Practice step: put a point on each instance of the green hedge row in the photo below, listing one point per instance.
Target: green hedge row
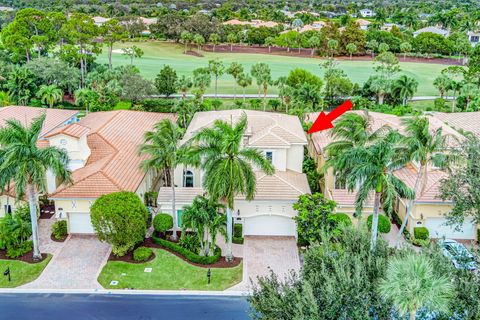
(187, 254)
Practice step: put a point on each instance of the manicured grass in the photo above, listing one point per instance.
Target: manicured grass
(21, 272)
(158, 54)
(168, 273)
(123, 105)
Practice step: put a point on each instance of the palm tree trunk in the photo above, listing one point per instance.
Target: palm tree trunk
(231, 47)
(110, 49)
(235, 90)
(454, 100)
(32, 203)
(229, 254)
(174, 210)
(416, 189)
(376, 207)
(264, 98)
(216, 84)
(244, 94)
(413, 314)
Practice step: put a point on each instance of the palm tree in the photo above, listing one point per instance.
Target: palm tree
(411, 283)
(184, 83)
(235, 70)
(442, 83)
(228, 167)
(199, 40)
(4, 99)
(351, 49)
(425, 147)
(244, 80)
(313, 42)
(370, 168)
(404, 87)
(405, 47)
(50, 94)
(214, 39)
(269, 42)
(381, 86)
(469, 91)
(332, 45)
(24, 164)
(231, 39)
(163, 151)
(186, 37)
(261, 72)
(216, 68)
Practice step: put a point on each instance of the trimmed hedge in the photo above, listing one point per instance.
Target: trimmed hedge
(421, 233)
(384, 224)
(190, 256)
(142, 254)
(237, 240)
(162, 222)
(237, 233)
(340, 219)
(59, 229)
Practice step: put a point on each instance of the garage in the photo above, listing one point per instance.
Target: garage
(269, 225)
(79, 222)
(438, 229)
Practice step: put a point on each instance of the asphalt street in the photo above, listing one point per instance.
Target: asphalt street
(19, 306)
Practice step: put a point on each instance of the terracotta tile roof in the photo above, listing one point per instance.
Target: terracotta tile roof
(113, 165)
(43, 143)
(343, 197)
(266, 129)
(465, 121)
(54, 117)
(74, 130)
(363, 22)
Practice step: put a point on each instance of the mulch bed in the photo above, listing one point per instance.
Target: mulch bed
(27, 257)
(58, 240)
(194, 53)
(128, 258)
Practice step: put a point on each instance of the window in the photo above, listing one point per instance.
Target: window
(269, 156)
(340, 183)
(179, 217)
(474, 38)
(8, 209)
(187, 178)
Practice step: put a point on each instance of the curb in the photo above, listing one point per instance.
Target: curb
(127, 292)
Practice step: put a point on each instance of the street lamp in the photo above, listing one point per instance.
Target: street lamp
(7, 273)
(209, 275)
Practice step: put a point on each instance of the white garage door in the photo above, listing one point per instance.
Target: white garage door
(269, 226)
(80, 223)
(438, 229)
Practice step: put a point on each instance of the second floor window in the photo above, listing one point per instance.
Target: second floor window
(269, 156)
(188, 179)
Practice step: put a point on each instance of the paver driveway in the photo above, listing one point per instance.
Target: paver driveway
(75, 266)
(262, 254)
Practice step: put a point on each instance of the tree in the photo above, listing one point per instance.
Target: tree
(120, 219)
(133, 52)
(183, 84)
(411, 283)
(201, 80)
(231, 38)
(405, 47)
(456, 75)
(199, 40)
(373, 46)
(205, 219)
(235, 70)
(381, 86)
(332, 46)
(21, 85)
(166, 81)
(370, 169)
(244, 80)
(112, 31)
(313, 42)
(261, 72)
(164, 153)
(469, 91)
(228, 167)
(186, 37)
(216, 68)
(269, 42)
(351, 49)
(5, 99)
(442, 83)
(404, 87)
(50, 95)
(386, 64)
(86, 98)
(297, 77)
(214, 39)
(26, 165)
(133, 86)
(52, 71)
(383, 47)
(427, 148)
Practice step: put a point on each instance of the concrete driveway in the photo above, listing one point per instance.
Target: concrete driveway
(262, 254)
(76, 265)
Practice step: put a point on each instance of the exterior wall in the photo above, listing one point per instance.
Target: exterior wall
(62, 207)
(11, 201)
(77, 148)
(279, 159)
(197, 176)
(146, 184)
(295, 158)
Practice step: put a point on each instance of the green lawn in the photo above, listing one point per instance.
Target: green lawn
(168, 273)
(158, 54)
(21, 272)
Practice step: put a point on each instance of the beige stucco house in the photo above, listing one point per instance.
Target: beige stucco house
(103, 151)
(428, 210)
(281, 138)
(54, 118)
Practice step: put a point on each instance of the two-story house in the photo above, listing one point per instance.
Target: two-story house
(282, 140)
(428, 210)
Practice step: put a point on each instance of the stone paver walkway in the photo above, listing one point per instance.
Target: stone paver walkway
(75, 266)
(47, 245)
(262, 254)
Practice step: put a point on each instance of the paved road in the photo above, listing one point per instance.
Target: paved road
(20, 306)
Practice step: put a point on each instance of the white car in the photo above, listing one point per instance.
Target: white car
(458, 254)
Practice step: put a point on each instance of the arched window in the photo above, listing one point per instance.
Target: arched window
(187, 178)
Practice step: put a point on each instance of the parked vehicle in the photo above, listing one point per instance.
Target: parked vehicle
(458, 254)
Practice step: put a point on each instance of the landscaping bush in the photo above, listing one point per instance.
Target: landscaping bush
(162, 222)
(421, 233)
(237, 233)
(340, 219)
(120, 219)
(384, 224)
(142, 254)
(158, 105)
(190, 256)
(59, 229)
(19, 250)
(189, 242)
(478, 235)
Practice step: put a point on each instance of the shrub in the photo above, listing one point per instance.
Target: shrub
(189, 242)
(421, 233)
(439, 104)
(142, 254)
(59, 229)
(158, 105)
(238, 240)
(162, 222)
(421, 242)
(150, 198)
(19, 250)
(187, 254)
(384, 224)
(478, 235)
(120, 219)
(238, 230)
(341, 219)
(23, 212)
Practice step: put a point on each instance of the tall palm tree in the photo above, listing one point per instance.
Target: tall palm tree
(425, 147)
(404, 87)
(24, 164)
(369, 169)
(469, 91)
(235, 70)
(50, 94)
(381, 86)
(411, 283)
(228, 166)
(261, 71)
(163, 151)
(244, 80)
(184, 84)
(186, 37)
(442, 83)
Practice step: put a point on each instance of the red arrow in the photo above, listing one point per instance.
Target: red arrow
(324, 121)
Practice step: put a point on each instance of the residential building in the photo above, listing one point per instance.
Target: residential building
(99, 21)
(443, 32)
(363, 23)
(103, 151)
(54, 118)
(428, 210)
(473, 37)
(367, 13)
(282, 140)
(252, 23)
